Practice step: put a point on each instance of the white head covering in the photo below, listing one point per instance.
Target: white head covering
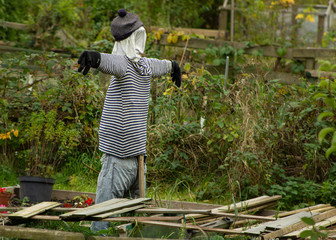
(133, 46)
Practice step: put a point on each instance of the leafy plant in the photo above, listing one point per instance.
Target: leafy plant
(47, 141)
(314, 233)
(326, 94)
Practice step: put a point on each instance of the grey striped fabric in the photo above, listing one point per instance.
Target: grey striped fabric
(123, 126)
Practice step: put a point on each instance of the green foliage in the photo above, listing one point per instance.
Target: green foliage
(217, 56)
(56, 115)
(296, 192)
(326, 93)
(8, 176)
(314, 233)
(46, 141)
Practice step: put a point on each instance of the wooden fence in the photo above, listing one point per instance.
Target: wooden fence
(308, 56)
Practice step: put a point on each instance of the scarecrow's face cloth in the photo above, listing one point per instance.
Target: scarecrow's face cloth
(133, 46)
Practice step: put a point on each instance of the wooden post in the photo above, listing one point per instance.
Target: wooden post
(232, 21)
(222, 20)
(310, 63)
(320, 29)
(294, 23)
(141, 174)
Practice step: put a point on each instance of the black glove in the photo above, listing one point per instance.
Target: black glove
(88, 59)
(176, 74)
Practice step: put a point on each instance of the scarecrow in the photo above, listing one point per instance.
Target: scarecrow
(123, 125)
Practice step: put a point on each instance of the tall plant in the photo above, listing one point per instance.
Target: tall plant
(326, 94)
(47, 140)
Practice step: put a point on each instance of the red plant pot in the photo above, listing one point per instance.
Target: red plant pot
(5, 197)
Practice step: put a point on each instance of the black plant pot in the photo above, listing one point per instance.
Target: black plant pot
(37, 189)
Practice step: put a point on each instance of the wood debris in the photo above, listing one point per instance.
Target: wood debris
(230, 220)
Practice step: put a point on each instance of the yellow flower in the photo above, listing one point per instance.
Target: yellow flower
(299, 16)
(310, 18)
(168, 91)
(289, 2)
(16, 133)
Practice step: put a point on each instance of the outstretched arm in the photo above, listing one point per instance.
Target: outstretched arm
(107, 63)
(162, 67)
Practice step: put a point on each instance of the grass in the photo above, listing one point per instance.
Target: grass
(8, 177)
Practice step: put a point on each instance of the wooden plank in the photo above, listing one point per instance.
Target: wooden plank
(183, 204)
(326, 223)
(38, 217)
(116, 219)
(240, 205)
(308, 209)
(193, 227)
(198, 31)
(317, 73)
(259, 208)
(111, 207)
(57, 195)
(198, 43)
(313, 52)
(299, 225)
(124, 210)
(286, 221)
(34, 210)
(38, 234)
(56, 209)
(140, 219)
(324, 209)
(244, 216)
(250, 203)
(15, 49)
(96, 206)
(103, 209)
(62, 195)
(267, 50)
(283, 222)
(170, 211)
(14, 25)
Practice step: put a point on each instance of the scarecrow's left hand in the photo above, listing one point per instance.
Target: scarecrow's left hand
(88, 59)
(176, 74)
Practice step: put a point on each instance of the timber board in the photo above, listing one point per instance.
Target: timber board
(299, 225)
(95, 206)
(278, 224)
(34, 210)
(123, 210)
(169, 210)
(325, 223)
(108, 206)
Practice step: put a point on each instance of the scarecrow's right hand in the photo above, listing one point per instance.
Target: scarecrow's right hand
(88, 59)
(176, 74)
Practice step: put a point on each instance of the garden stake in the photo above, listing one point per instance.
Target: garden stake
(226, 71)
(141, 173)
(90, 167)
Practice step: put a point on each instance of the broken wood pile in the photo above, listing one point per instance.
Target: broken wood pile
(230, 220)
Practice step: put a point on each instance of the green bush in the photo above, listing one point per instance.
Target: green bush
(74, 101)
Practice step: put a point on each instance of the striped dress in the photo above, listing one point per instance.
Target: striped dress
(123, 125)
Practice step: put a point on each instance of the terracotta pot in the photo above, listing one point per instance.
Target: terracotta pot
(5, 198)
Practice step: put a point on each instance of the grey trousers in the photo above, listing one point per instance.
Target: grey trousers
(118, 178)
